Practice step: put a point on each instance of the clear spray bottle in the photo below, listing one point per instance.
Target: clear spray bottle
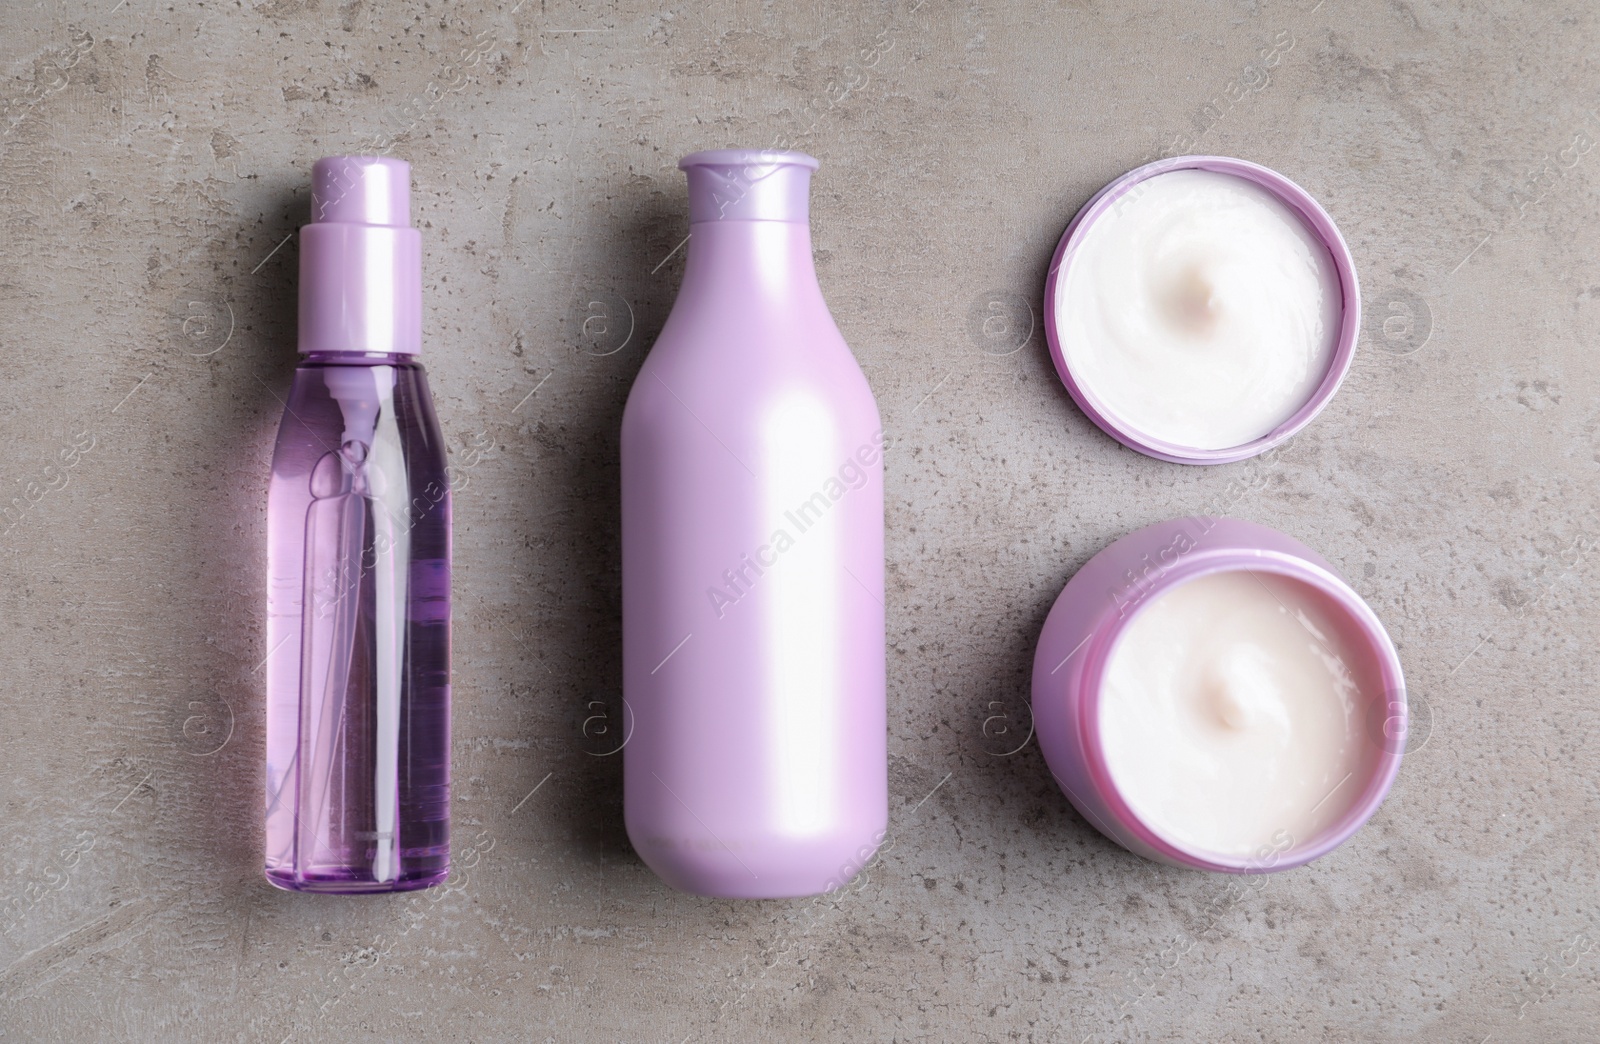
(358, 614)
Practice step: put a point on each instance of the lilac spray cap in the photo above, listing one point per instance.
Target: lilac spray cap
(360, 259)
(749, 185)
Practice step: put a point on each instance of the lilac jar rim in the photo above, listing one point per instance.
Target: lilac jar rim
(1111, 626)
(1315, 218)
(748, 158)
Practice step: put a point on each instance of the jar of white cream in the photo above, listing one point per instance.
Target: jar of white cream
(1210, 693)
(1202, 309)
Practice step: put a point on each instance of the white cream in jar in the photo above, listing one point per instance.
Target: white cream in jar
(1199, 310)
(1232, 714)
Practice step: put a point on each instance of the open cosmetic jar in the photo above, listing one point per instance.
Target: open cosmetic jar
(1211, 694)
(1201, 309)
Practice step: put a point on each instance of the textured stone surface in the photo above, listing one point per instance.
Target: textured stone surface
(154, 160)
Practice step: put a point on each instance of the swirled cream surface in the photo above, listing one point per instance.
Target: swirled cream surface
(1199, 310)
(1232, 714)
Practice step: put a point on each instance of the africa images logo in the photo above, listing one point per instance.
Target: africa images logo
(853, 474)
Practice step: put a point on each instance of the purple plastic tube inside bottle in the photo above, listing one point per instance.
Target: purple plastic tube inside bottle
(752, 561)
(358, 615)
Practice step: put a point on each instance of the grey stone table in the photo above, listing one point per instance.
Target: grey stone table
(153, 168)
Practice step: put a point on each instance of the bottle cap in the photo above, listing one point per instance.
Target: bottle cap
(362, 190)
(749, 185)
(360, 259)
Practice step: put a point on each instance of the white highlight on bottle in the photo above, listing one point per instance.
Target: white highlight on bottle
(799, 445)
(1199, 310)
(1232, 713)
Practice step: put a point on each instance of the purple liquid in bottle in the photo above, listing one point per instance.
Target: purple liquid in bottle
(358, 622)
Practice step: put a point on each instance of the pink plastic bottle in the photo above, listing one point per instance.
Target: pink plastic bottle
(752, 560)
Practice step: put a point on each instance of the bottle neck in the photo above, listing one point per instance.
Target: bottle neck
(361, 288)
(359, 359)
(759, 264)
